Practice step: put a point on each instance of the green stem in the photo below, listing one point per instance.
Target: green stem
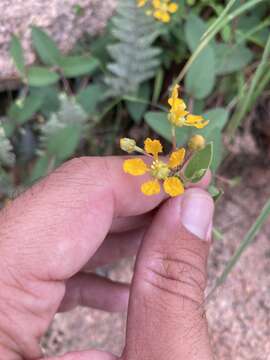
(244, 105)
(174, 138)
(205, 40)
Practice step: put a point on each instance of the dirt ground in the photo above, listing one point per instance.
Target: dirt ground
(239, 313)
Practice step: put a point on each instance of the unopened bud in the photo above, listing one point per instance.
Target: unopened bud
(127, 145)
(196, 142)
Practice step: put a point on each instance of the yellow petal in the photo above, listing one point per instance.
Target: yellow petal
(192, 119)
(173, 186)
(174, 95)
(177, 103)
(177, 158)
(165, 17)
(135, 167)
(201, 125)
(150, 188)
(153, 147)
(196, 121)
(172, 8)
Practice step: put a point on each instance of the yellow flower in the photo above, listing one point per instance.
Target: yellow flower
(159, 9)
(163, 10)
(159, 170)
(178, 115)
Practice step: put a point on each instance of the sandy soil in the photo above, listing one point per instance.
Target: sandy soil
(239, 313)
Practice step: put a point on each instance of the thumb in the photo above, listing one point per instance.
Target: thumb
(166, 317)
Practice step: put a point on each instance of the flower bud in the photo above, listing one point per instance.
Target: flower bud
(196, 142)
(127, 145)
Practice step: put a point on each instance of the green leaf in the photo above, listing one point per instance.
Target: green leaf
(7, 156)
(16, 52)
(199, 164)
(231, 58)
(89, 97)
(201, 76)
(22, 110)
(158, 121)
(50, 99)
(61, 134)
(194, 29)
(45, 47)
(41, 76)
(63, 142)
(218, 117)
(40, 169)
(73, 66)
(137, 109)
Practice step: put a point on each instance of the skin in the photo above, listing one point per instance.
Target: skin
(89, 213)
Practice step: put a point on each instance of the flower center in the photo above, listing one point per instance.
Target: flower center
(177, 120)
(160, 170)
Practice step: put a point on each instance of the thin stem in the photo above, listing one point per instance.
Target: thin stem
(174, 138)
(247, 99)
(219, 19)
(205, 40)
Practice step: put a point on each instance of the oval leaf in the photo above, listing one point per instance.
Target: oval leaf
(73, 66)
(199, 164)
(201, 76)
(16, 52)
(40, 76)
(231, 58)
(45, 47)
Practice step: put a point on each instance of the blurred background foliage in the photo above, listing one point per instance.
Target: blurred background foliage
(117, 84)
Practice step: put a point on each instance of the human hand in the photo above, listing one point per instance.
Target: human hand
(88, 213)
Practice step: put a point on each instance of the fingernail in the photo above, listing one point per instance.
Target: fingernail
(197, 211)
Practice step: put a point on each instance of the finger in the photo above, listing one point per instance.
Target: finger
(86, 355)
(115, 247)
(169, 283)
(96, 292)
(65, 218)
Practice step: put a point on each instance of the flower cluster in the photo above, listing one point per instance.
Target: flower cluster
(160, 9)
(167, 172)
(179, 116)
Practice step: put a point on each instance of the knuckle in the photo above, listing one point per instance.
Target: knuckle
(180, 276)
